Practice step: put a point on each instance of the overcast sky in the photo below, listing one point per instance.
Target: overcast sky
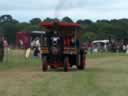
(24, 10)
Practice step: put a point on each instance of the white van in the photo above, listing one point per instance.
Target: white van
(100, 45)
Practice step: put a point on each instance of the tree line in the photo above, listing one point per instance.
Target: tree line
(100, 29)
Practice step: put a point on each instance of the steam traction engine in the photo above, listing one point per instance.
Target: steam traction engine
(61, 46)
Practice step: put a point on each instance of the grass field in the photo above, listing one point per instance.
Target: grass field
(106, 74)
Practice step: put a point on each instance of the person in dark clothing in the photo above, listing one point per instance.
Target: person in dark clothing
(1, 50)
(77, 43)
(36, 52)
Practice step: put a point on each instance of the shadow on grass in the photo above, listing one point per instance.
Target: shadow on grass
(106, 70)
(62, 70)
(94, 70)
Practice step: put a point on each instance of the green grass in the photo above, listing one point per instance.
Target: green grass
(106, 74)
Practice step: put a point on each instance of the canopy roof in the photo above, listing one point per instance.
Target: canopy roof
(60, 24)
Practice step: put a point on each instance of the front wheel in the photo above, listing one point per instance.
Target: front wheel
(66, 64)
(44, 64)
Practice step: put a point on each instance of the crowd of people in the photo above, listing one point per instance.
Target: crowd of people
(34, 47)
(111, 46)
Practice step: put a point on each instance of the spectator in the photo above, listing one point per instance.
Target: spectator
(21, 43)
(5, 43)
(1, 49)
(124, 48)
(127, 48)
(36, 46)
(90, 49)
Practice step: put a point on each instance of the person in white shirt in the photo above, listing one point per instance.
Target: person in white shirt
(36, 46)
(127, 49)
(124, 48)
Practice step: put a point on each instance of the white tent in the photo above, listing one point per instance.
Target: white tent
(101, 41)
(39, 32)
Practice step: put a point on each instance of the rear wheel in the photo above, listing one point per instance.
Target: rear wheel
(66, 64)
(44, 64)
(82, 64)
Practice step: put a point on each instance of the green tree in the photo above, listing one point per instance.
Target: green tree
(35, 21)
(67, 19)
(84, 22)
(7, 18)
(48, 20)
(10, 31)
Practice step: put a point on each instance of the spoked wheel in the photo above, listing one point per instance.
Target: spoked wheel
(44, 64)
(82, 62)
(66, 64)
